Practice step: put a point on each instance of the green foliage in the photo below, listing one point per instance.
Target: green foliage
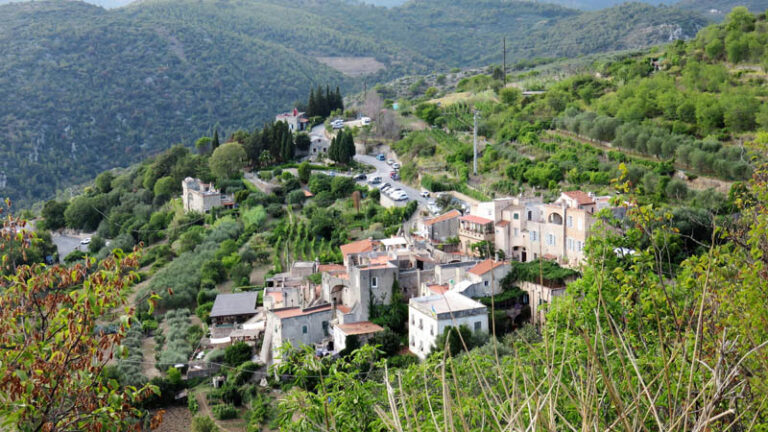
(342, 148)
(227, 160)
(204, 424)
(238, 353)
(224, 412)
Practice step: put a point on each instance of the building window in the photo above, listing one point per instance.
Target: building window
(569, 243)
(517, 232)
(431, 330)
(478, 325)
(304, 329)
(516, 216)
(325, 328)
(413, 341)
(580, 246)
(374, 282)
(421, 345)
(534, 235)
(525, 299)
(486, 283)
(413, 319)
(421, 324)
(580, 224)
(530, 215)
(570, 222)
(551, 240)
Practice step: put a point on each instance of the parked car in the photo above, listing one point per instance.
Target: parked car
(365, 121)
(425, 194)
(337, 124)
(375, 180)
(85, 241)
(332, 173)
(381, 157)
(395, 176)
(390, 161)
(361, 177)
(396, 166)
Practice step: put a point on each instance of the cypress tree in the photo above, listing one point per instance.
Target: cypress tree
(312, 104)
(328, 100)
(339, 100)
(287, 148)
(349, 148)
(215, 142)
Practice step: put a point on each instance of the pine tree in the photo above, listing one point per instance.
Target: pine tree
(328, 100)
(215, 142)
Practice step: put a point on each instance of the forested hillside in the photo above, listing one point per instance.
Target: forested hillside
(88, 89)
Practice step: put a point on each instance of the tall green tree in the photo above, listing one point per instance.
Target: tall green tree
(227, 160)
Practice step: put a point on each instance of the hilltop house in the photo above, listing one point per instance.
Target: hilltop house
(297, 121)
(202, 197)
(428, 317)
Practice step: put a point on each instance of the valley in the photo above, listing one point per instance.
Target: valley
(359, 235)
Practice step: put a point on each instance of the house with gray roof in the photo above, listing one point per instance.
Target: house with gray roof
(236, 308)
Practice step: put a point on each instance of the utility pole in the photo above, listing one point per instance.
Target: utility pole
(505, 61)
(475, 136)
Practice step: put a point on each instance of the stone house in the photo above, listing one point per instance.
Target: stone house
(440, 228)
(202, 197)
(296, 326)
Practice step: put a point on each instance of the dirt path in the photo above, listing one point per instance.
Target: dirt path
(176, 419)
(148, 368)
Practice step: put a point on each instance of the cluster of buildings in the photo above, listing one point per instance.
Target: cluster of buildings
(436, 269)
(521, 229)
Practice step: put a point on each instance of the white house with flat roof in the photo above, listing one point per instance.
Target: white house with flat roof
(428, 317)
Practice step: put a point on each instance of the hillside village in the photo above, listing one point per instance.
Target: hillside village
(554, 245)
(429, 272)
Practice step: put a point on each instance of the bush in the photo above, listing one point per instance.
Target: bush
(192, 404)
(224, 412)
(238, 353)
(275, 210)
(204, 424)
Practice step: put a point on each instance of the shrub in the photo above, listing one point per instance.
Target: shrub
(237, 354)
(204, 424)
(192, 404)
(224, 412)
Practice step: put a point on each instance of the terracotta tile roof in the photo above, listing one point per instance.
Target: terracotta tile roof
(323, 268)
(375, 267)
(485, 266)
(502, 223)
(438, 289)
(476, 219)
(357, 247)
(294, 312)
(443, 217)
(359, 328)
(383, 259)
(344, 309)
(307, 193)
(580, 197)
(276, 296)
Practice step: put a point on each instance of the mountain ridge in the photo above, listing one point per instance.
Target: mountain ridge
(89, 89)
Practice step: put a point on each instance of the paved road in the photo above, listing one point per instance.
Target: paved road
(383, 170)
(67, 243)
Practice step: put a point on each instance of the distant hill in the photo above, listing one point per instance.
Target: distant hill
(86, 89)
(107, 4)
(717, 9)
